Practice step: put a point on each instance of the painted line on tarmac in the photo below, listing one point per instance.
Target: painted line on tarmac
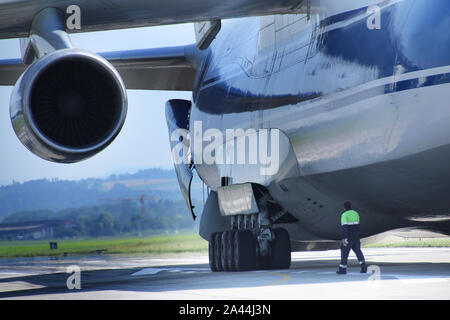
(153, 271)
(18, 286)
(285, 277)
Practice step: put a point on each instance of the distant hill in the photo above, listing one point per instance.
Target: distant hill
(58, 194)
(107, 219)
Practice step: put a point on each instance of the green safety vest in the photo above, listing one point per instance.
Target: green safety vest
(350, 217)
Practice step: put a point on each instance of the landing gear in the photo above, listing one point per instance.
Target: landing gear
(252, 241)
(212, 253)
(218, 251)
(227, 251)
(244, 250)
(281, 250)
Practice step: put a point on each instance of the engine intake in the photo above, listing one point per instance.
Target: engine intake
(68, 105)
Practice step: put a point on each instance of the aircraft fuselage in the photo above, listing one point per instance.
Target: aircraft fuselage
(363, 97)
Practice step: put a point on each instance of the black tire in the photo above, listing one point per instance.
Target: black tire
(281, 250)
(244, 251)
(212, 253)
(225, 249)
(217, 251)
(230, 254)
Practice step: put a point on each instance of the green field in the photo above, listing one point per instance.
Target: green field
(154, 244)
(429, 242)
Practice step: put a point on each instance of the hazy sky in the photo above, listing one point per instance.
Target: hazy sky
(143, 141)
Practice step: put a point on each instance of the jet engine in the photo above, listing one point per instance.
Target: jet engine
(68, 105)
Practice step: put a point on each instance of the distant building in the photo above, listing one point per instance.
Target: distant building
(32, 230)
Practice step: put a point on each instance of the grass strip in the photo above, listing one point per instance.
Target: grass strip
(412, 243)
(154, 244)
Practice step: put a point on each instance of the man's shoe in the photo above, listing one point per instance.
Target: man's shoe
(342, 271)
(363, 268)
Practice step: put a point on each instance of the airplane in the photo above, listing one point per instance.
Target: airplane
(297, 106)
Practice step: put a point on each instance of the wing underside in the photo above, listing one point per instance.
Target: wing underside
(16, 15)
(154, 69)
(146, 69)
(10, 71)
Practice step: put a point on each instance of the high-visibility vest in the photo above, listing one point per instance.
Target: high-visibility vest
(350, 217)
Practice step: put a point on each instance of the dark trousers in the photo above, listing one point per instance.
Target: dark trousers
(354, 245)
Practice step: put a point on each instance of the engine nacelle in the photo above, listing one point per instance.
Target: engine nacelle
(68, 105)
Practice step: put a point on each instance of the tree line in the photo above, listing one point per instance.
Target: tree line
(113, 219)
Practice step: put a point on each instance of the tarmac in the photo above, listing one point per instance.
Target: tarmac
(394, 273)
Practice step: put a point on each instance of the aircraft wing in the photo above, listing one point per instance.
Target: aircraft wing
(146, 69)
(154, 69)
(10, 71)
(151, 69)
(16, 15)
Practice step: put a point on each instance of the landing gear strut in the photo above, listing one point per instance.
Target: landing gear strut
(243, 250)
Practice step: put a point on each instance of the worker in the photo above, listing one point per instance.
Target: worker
(350, 238)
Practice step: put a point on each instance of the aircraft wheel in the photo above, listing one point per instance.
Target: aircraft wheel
(230, 253)
(218, 251)
(225, 250)
(212, 253)
(244, 250)
(281, 250)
